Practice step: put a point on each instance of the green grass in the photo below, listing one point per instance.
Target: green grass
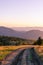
(3, 54)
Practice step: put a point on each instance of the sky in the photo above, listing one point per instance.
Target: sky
(21, 13)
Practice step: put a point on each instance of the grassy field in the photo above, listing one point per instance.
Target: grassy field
(5, 50)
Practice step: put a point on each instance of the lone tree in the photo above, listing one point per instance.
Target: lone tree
(38, 42)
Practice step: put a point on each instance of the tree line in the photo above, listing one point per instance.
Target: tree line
(5, 40)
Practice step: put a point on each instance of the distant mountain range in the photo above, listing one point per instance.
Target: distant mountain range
(27, 28)
(32, 34)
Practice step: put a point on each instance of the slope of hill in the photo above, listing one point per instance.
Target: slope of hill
(32, 34)
(9, 32)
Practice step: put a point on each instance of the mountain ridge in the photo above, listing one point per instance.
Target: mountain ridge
(27, 28)
(32, 34)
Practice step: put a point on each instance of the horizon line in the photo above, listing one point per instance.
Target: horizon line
(23, 26)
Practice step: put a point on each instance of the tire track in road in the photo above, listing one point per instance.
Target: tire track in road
(24, 57)
(35, 58)
(28, 58)
(18, 58)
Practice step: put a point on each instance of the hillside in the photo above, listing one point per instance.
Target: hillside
(9, 32)
(32, 34)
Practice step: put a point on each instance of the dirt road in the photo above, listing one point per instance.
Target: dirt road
(23, 56)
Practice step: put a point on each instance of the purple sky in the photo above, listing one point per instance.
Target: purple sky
(19, 13)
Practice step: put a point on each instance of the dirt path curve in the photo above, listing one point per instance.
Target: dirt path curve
(13, 57)
(24, 56)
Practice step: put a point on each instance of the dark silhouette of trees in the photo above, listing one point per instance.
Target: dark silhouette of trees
(5, 40)
(38, 42)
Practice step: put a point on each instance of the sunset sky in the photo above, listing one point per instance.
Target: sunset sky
(21, 13)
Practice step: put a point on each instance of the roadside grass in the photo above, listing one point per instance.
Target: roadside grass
(39, 51)
(3, 54)
(5, 50)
